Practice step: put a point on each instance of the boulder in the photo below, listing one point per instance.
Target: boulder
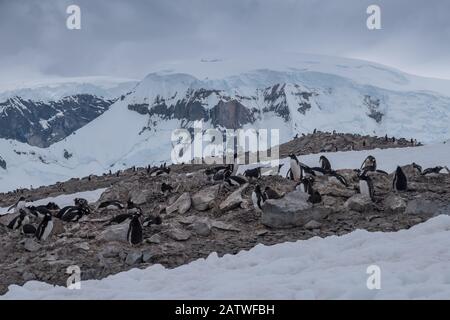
(31, 245)
(7, 218)
(182, 204)
(204, 199)
(139, 196)
(224, 226)
(395, 204)
(202, 227)
(116, 232)
(178, 234)
(313, 224)
(290, 211)
(234, 200)
(423, 206)
(133, 257)
(156, 238)
(359, 202)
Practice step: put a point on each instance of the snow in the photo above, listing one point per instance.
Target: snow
(414, 264)
(65, 199)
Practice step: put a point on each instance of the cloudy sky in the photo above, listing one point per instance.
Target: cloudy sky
(127, 38)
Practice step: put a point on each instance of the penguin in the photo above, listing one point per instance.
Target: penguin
(133, 208)
(235, 181)
(400, 182)
(304, 185)
(19, 221)
(152, 220)
(369, 164)
(81, 202)
(39, 211)
(417, 167)
(28, 230)
(258, 198)
(269, 193)
(74, 213)
(134, 234)
(325, 164)
(166, 188)
(222, 174)
(253, 173)
(45, 228)
(20, 204)
(434, 170)
(296, 170)
(111, 205)
(366, 185)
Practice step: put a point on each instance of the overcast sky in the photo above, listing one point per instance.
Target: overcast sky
(126, 38)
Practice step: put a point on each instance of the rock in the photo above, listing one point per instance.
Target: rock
(204, 199)
(289, 211)
(182, 204)
(139, 196)
(395, 204)
(359, 202)
(156, 238)
(83, 246)
(261, 232)
(202, 227)
(28, 276)
(133, 258)
(7, 218)
(422, 206)
(178, 234)
(224, 226)
(58, 227)
(147, 255)
(116, 232)
(233, 200)
(31, 245)
(313, 224)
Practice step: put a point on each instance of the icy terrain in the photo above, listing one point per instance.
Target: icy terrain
(414, 264)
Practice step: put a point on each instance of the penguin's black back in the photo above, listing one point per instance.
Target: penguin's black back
(135, 231)
(400, 181)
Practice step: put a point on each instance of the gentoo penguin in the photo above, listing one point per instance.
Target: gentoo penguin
(28, 230)
(269, 193)
(417, 167)
(296, 170)
(152, 220)
(81, 202)
(258, 198)
(325, 164)
(235, 181)
(134, 234)
(369, 164)
(19, 221)
(74, 213)
(45, 228)
(222, 174)
(366, 185)
(306, 186)
(132, 207)
(166, 188)
(400, 182)
(39, 211)
(111, 205)
(434, 170)
(20, 204)
(253, 173)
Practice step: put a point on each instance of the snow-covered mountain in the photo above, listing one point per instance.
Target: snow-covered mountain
(294, 93)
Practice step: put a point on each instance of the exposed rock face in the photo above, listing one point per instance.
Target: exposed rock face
(204, 199)
(395, 204)
(182, 204)
(234, 200)
(359, 202)
(423, 206)
(43, 123)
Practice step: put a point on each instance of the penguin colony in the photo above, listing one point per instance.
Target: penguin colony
(37, 221)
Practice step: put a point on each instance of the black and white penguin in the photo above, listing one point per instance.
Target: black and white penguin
(235, 181)
(20, 204)
(270, 193)
(133, 208)
(325, 164)
(305, 185)
(296, 170)
(253, 173)
(222, 174)
(74, 213)
(39, 211)
(150, 220)
(369, 164)
(28, 230)
(81, 202)
(111, 205)
(400, 182)
(366, 185)
(258, 198)
(166, 188)
(45, 228)
(417, 167)
(20, 220)
(434, 170)
(134, 234)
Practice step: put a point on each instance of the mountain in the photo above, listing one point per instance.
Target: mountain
(294, 93)
(45, 113)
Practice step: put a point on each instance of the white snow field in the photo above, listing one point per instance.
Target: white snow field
(414, 264)
(65, 199)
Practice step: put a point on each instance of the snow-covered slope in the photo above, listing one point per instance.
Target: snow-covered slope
(414, 264)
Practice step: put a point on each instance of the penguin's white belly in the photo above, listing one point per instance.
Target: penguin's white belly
(295, 169)
(47, 230)
(364, 188)
(255, 201)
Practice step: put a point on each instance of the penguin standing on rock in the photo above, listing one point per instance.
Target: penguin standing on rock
(369, 164)
(325, 164)
(434, 170)
(19, 221)
(258, 198)
(400, 182)
(366, 185)
(45, 228)
(134, 234)
(296, 170)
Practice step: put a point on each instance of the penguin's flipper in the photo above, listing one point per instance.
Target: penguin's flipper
(381, 171)
(340, 178)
